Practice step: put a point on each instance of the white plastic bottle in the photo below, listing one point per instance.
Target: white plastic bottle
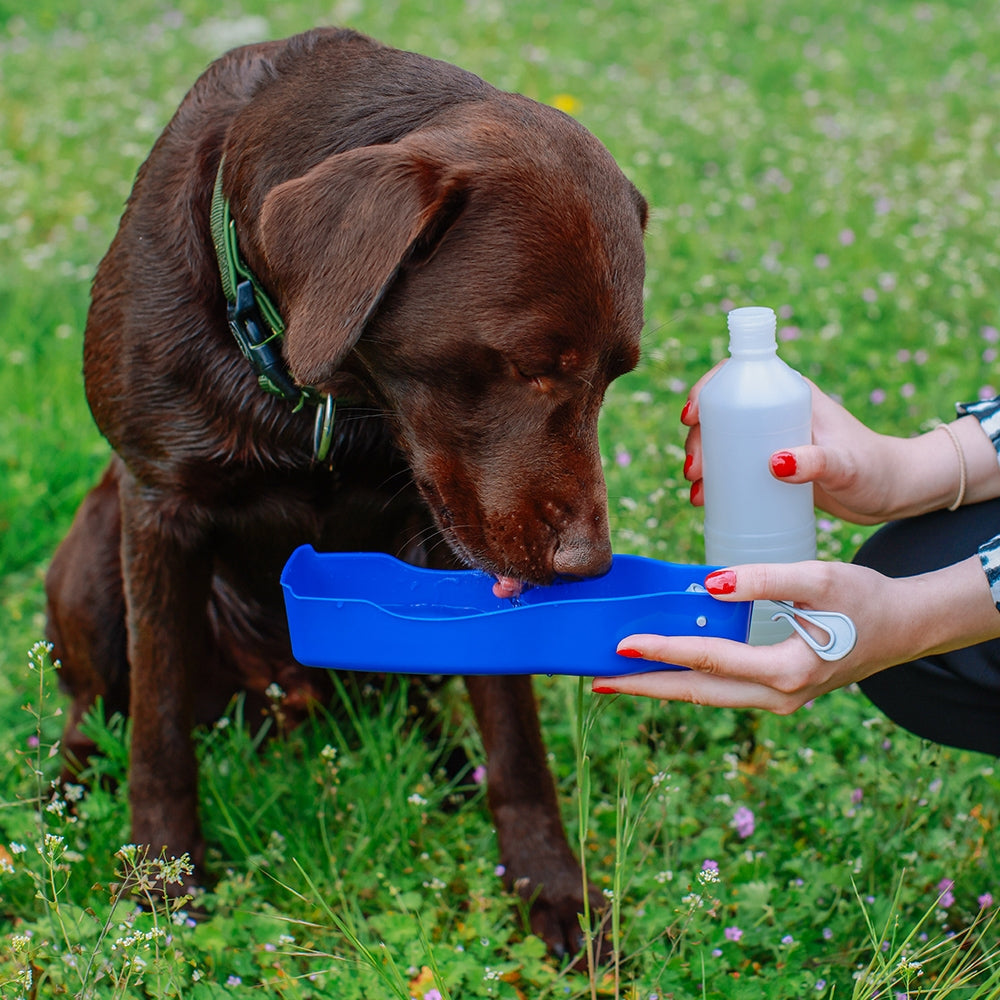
(752, 407)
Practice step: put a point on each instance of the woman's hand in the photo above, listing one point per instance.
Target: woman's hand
(896, 621)
(862, 476)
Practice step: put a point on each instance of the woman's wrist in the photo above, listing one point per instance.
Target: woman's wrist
(923, 475)
(983, 469)
(941, 468)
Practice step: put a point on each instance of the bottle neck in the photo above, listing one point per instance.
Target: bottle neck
(741, 350)
(752, 331)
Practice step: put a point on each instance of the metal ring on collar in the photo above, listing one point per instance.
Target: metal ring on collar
(323, 428)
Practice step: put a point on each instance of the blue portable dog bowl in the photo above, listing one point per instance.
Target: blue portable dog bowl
(368, 611)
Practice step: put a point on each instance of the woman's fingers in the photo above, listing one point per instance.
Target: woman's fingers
(723, 672)
(700, 688)
(689, 415)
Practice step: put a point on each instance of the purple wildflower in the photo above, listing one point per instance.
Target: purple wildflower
(743, 822)
(985, 900)
(733, 933)
(709, 865)
(946, 897)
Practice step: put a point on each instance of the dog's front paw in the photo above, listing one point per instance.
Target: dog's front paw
(553, 892)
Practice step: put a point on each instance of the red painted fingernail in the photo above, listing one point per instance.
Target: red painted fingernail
(633, 653)
(783, 464)
(603, 690)
(722, 581)
(686, 411)
(698, 493)
(688, 462)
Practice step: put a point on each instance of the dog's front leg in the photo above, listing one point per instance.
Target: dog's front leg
(534, 851)
(167, 571)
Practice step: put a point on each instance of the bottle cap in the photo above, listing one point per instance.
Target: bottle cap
(752, 328)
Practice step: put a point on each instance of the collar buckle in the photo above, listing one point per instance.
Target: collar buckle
(260, 346)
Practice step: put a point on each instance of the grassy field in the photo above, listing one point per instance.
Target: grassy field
(835, 159)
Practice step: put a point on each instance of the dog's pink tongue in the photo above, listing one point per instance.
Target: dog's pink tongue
(506, 587)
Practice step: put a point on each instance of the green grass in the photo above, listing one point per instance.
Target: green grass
(835, 160)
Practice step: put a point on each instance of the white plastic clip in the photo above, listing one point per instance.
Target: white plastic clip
(840, 629)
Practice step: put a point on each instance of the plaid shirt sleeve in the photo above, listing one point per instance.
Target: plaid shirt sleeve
(987, 412)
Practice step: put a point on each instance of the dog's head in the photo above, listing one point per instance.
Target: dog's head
(483, 279)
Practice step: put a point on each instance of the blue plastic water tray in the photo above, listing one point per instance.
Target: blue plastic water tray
(369, 611)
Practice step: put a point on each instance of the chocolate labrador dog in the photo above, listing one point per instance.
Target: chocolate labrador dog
(362, 299)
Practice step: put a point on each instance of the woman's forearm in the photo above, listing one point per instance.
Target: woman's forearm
(950, 608)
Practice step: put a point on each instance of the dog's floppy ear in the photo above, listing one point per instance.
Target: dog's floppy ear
(335, 238)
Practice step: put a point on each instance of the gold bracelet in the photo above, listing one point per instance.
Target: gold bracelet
(962, 472)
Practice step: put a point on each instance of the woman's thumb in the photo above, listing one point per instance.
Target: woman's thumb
(805, 464)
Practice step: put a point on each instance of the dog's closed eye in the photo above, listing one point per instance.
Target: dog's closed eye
(538, 381)
(543, 373)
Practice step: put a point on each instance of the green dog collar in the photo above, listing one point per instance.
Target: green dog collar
(257, 326)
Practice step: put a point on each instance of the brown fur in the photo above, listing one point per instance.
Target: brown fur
(467, 266)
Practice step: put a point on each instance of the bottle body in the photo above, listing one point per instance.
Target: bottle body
(753, 406)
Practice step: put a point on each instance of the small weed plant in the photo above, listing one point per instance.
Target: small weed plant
(72, 949)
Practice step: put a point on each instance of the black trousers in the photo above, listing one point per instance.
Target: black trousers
(953, 698)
